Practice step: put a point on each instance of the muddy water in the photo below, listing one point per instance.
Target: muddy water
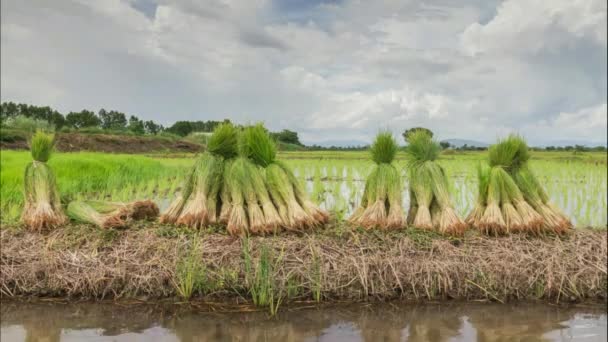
(377, 322)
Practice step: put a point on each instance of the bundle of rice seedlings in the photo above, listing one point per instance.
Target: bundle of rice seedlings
(533, 192)
(483, 180)
(279, 193)
(430, 203)
(200, 202)
(138, 210)
(381, 205)
(42, 207)
(249, 198)
(82, 212)
(510, 198)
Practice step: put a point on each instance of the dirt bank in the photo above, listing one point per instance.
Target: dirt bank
(337, 264)
(74, 142)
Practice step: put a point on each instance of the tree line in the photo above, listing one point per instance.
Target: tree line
(113, 120)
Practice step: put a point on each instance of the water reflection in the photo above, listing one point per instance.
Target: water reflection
(378, 322)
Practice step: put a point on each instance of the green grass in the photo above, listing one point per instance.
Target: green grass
(576, 183)
(89, 175)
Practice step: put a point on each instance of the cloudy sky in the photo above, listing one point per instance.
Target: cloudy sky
(332, 70)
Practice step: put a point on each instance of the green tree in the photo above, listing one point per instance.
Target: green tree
(84, 118)
(112, 119)
(287, 136)
(136, 125)
(152, 127)
(444, 145)
(181, 128)
(407, 132)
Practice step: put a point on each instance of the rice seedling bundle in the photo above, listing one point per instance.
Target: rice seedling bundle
(381, 204)
(264, 194)
(199, 202)
(42, 207)
(430, 203)
(510, 198)
(111, 214)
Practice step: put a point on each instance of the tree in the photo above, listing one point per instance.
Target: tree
(84, 118)
(444, 144)
(407, 132)
(152, 127)
(136, 125)
(287, 136)
(112, 119)
(181, 128)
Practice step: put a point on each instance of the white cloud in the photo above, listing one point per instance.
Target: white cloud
(530, 26)
(476, 70)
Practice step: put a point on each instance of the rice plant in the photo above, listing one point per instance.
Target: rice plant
(381, 205)
(42, 205)
(510, 198)
(430, 202)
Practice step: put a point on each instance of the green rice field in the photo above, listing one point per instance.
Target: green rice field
(577, 183)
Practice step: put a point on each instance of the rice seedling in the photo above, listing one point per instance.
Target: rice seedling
(80, 211)
(381, 205)
(106, 214)
(510, 197)
(138, 210)
(265, 194)
(42, 205)
(430, 203)
(199, 202)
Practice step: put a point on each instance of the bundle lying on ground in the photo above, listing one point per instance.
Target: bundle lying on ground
(199, 204)
(381, 204)
(263, 193)
(510, 198)
(111, 214)
(430, 203)
(42, 207)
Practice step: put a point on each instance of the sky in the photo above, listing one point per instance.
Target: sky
(331, 70)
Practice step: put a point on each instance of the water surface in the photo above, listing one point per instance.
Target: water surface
(373, 322)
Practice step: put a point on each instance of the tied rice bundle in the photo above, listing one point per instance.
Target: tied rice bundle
(82, 212)
(430, 203)
(381, 205)
(136, 211)
(200, 201)
(277, 191)
(510, 198)
(111, 214)
(42, 207)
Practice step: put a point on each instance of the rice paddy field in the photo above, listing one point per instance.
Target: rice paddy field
(335, 180)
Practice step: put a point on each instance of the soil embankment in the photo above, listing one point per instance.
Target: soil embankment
(111, 143)
(335, 264)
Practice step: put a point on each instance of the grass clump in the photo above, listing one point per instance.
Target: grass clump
(42, 205)
(510, 198)
(381, 205)
(430, 203)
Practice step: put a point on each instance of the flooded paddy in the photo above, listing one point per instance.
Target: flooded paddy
(393, 321)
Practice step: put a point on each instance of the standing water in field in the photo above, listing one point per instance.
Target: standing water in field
(389, 322)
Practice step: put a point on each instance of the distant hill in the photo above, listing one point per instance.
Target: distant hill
(462, 142)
